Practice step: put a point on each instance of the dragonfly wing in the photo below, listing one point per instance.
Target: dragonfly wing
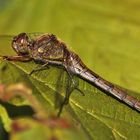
(35, 35)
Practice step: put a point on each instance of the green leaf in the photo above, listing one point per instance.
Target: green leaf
(100, 116)
(106, 37)
(25, 129)
(5, 118)
(39, 128)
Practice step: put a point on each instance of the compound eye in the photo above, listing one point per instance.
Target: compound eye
(21, 38)
(15, 45)
(20, 44)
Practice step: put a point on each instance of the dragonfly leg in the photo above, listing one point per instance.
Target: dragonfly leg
(65, 101)
(71, 86)
(42, 67)
(66, 98)
(83, 94)
(17, 58)
(75, 84)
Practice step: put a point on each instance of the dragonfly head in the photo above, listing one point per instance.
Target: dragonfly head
(21, 44)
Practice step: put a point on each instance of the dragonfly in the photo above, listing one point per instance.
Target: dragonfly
(47, 49)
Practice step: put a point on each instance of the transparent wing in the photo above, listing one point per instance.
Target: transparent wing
(31, 35)
(35, 34)
(6, 36)
(5, 44)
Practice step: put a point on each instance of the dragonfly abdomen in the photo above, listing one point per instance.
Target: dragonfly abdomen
(106, 86)
(133, 102)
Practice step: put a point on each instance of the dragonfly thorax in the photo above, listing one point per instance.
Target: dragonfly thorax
(47, 47)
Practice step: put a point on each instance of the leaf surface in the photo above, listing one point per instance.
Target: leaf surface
(106, 37)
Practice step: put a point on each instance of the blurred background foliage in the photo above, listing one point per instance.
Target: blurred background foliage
(105, 34)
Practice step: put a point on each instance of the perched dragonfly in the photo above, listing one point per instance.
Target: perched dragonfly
(47, 49)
